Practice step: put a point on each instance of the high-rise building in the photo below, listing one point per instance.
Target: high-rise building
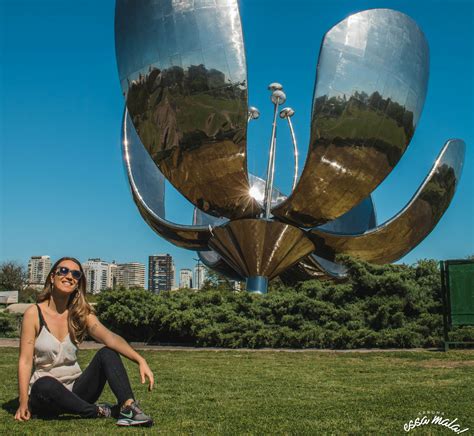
(97, 273)
(160, 273)
(200, 275)
(38, 269)
(113, 275)
(131, 275)
(185, 278)
(174, 287)
(235, 285)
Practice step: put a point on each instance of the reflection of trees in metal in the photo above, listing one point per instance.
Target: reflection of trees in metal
(396, 123)
(183, 73)
(440, 190)
(188, 116)
(393, 239)
(174, 107)
(370, 89)
(182, 70)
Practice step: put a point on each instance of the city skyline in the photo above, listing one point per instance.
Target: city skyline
(60, 138)
(103, 274)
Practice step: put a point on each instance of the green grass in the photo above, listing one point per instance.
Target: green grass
(271, 392)
(364, 124)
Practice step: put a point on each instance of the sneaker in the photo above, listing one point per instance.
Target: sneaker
(104, 411)
(133, 415)
(107, 410)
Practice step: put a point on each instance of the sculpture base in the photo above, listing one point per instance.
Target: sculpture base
(258, 284)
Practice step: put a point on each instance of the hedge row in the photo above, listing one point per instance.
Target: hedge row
(379, 306)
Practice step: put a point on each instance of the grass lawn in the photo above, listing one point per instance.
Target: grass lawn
(271, 392)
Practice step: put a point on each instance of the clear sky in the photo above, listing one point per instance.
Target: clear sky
(63, 189)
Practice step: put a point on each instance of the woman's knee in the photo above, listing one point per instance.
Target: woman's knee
(107, 354)
(45, 386)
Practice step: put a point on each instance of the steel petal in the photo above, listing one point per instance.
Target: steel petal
(183, 73)
(148, 190)
(371, 85)
(399, 235)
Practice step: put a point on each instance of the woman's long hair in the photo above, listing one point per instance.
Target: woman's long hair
(77, 305)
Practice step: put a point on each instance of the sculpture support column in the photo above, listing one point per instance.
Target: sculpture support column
(257, 284)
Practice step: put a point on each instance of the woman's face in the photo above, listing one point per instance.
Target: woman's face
(63, 278)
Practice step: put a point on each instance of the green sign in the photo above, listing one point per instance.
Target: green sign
(458, 278)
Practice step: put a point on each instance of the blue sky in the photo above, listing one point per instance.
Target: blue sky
(63, 190)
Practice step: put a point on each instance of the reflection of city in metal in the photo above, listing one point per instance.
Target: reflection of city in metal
(183, 73)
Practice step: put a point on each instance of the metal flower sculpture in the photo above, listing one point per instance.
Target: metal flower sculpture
(183, 73)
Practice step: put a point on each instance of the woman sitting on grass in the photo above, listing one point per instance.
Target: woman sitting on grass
(50, 333)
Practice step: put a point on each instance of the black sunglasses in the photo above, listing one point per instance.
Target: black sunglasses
(64, 271)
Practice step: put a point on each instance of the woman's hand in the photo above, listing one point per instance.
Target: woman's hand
(146, 372)
(23, 413)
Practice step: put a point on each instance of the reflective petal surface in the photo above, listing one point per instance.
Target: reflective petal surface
(215, 262)
(210, 258)
(148, 191)
(393, 239)
(371, 85)
(313, 267)
(257, 247)
(183, 73)
(358, 220)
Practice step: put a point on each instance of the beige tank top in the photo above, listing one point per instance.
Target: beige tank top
(54, 358)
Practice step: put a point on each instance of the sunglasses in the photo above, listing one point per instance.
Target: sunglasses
(64, 271)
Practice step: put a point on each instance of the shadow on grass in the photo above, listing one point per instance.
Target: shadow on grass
(12, 405)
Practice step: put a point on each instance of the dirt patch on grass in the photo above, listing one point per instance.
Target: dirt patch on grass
(446, 363)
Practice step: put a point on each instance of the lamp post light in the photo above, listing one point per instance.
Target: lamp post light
(278, 97)
(253, 113)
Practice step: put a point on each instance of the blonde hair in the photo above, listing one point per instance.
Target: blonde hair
(78, 306)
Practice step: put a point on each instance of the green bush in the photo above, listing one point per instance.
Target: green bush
(27, 295)
(9, 325)
(378, 306)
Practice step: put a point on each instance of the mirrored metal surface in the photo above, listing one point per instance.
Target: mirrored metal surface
(256, 190)
(371, 84)
(182, 69)
(358, 220)
(183, 72)
(148, 191)
(303, 270)
(393, 239)
(215, 262)
(210, 258)
(313, 267)
(331, 269)
(257, 247)
(287, 113)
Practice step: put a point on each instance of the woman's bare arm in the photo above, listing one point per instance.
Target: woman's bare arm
(25, 361)
(115, 342)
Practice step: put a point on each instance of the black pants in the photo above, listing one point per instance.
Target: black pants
(49, 397)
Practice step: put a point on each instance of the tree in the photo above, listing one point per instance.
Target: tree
(27, 295)
(13, 276)
(215, 280)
